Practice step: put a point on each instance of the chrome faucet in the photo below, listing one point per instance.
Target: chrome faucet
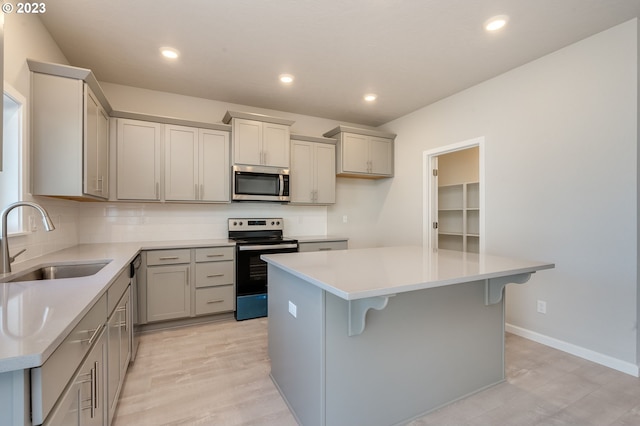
(5, 259)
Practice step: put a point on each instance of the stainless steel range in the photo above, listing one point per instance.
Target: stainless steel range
(253, 238)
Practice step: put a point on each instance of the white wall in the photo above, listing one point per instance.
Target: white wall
(561, 186)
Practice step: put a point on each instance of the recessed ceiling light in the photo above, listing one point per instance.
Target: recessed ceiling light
(169, 52)
(286, 78)
(370, 97)
(495, 23)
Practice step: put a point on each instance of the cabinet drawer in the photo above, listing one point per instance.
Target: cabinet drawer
(323, 245)
(49, 380)
(215, 299)
(214, 273)
(211, 254)
(168, 257)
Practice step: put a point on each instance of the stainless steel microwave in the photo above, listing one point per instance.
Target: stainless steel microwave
(259, 183)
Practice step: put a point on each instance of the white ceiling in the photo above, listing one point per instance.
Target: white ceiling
(410, 52)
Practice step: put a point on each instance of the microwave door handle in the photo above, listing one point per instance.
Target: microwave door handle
(281, 180)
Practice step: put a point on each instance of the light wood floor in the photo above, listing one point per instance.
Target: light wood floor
(218, 374)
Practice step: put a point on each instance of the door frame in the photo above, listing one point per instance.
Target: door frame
(430, 196)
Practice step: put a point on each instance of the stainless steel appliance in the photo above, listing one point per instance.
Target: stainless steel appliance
(253, 238)
(257, 183)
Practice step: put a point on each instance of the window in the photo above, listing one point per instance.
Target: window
(11, 177)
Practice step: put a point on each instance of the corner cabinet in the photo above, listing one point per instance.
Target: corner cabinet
(259, 140)
(313, 170)
(138, 146)
(70, 133)
(363, 153)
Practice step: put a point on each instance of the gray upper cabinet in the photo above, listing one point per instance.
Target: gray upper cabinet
(70, 140)
(313, 170)
(138, 160)
(363, 153)
(196, 164)
(259, 140)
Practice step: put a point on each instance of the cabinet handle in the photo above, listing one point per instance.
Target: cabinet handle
(99, 181)
(215, 301)
(215, 275)
(264, 161)
(94, 389)
(215, 255)
(93, 336)
(187, 280)
(168, 258)
(324, 249)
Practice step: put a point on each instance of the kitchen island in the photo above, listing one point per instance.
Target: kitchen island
(380, 336)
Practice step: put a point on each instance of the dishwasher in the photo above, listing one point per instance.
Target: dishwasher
(133, 273)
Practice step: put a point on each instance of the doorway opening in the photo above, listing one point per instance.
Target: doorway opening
(453, 197)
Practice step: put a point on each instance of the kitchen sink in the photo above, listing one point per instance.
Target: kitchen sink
(53, 272)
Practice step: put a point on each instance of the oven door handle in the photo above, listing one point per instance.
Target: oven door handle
(267, 247)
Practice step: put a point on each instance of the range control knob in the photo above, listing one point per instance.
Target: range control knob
(278, 223)
(272, 223)
(240, 223)
(235, 223)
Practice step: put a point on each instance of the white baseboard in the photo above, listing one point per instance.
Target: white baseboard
(598, 358)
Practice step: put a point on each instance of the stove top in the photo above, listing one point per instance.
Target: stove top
(258, 230)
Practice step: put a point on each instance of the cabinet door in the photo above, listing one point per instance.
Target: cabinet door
(214, 165)
(168, 292)
(113, 361)
(355, 153)
(302, 179)
(138, 160)
(180, 163)
(325, 174)
(380, 156)
(275, 145)
(91, 377)
(103, 153)
(247, 141)
(91, 174)
(67, 410)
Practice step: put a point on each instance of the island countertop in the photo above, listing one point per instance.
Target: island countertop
(362, 273)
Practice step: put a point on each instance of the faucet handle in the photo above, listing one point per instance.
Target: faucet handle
(13, 258)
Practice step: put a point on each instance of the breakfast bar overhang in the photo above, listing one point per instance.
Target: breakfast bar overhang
(380, 336)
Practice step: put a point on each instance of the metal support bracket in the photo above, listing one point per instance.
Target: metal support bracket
(358, 311)
(494, 287)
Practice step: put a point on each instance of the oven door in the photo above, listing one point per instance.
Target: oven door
(253, 183)
(251, 271)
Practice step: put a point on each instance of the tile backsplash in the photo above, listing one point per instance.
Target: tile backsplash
(125, 222)
(88, 222)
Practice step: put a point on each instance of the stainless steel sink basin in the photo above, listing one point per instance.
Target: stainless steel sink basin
(53, 272)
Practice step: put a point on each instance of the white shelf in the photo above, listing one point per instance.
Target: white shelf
(459, 216)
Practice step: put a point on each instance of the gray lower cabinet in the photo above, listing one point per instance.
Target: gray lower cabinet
(48, 382)
(183, 283)
(168, 292)
(84, 401)
(215, 272)
(323, 245)
(119, 329)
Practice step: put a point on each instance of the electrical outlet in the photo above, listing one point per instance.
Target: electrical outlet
(293, 309)
(345, 219)
(542, 306)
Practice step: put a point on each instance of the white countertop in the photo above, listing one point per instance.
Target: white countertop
(362, 273)
(36, 316)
